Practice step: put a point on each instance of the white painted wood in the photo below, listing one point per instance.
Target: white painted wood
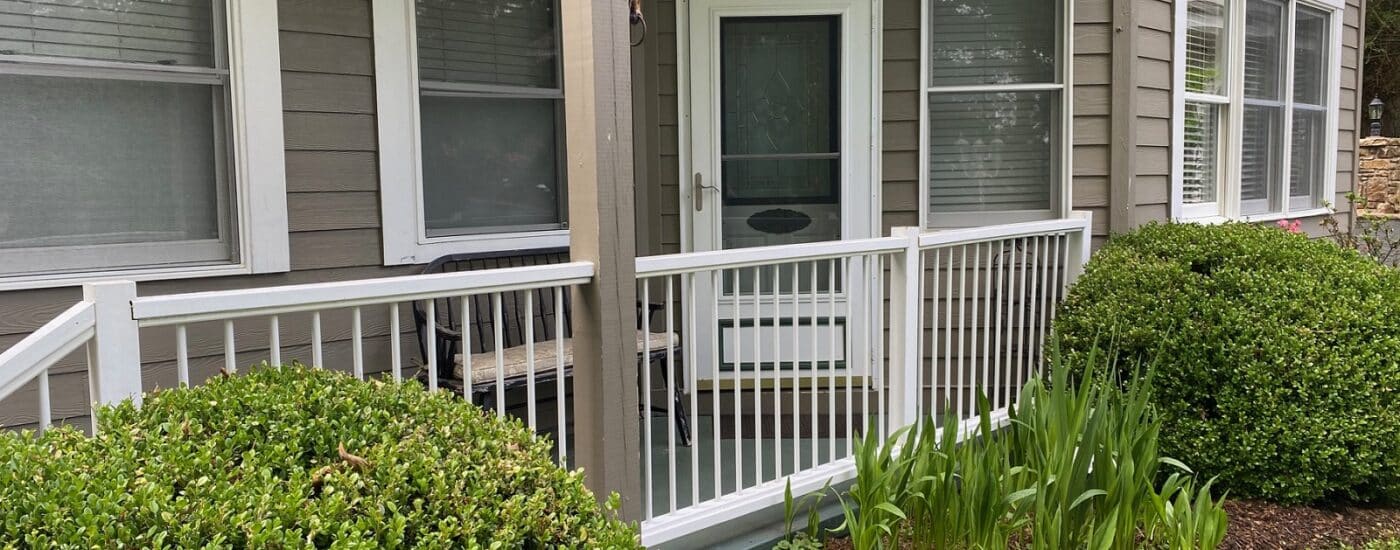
(430, 336)
(999, 232)
(114, 354)
(218, 305)
(648, 507)
(230, 351)
(562, 404)
(274, 344)
(905, 306)
(316, 340)
(499, 330)
(182, 356)
(260, 166)
(396, 343)
(45, 405)
(671, 394)
(357, 348)
(49, 344)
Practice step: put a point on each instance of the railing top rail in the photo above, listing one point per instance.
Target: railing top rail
(41, 349)
(973, 235)
(672, 264)
(231, 304)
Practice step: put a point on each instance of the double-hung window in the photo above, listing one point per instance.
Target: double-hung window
(996, 142)
(1257, 119)
(121, 145)
(471, 126)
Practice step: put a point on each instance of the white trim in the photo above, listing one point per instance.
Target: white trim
(404, 238)
(1228, 204)
(1062, 195)
(168, 273)
(259, 155)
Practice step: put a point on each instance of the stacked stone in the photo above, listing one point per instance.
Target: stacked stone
(1379, 176)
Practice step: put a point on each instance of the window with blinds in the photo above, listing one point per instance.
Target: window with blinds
(1278, 154)
(994, 104)
(491, 116)
(114, 153)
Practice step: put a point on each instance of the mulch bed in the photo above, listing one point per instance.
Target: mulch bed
(1264, 526)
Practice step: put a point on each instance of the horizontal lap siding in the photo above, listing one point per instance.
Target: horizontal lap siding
(1092, 88)
(333, 214)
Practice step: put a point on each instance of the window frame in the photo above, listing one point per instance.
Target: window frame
(404, 234)
(1062, 146)
(1229, 204)
(251, 172)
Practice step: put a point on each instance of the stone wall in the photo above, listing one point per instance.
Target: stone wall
(1379, 190)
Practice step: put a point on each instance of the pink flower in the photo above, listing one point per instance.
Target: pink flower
(1295, 226)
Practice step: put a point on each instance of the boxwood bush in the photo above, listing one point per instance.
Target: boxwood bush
(1277, 357)
(296, 458)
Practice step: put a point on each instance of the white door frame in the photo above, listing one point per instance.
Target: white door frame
(698, 22)
(860, 105)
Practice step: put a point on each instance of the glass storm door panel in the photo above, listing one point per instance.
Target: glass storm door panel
(780, 130)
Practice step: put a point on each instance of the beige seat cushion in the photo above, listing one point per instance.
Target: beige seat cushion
(515, 361)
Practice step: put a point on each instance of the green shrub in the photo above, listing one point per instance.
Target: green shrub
(1277, 357)
(296, 458)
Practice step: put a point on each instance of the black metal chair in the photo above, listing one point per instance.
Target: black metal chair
(451, 358)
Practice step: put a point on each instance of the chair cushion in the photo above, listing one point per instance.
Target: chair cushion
(515, 361)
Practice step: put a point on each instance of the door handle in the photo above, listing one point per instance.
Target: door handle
(697, 191)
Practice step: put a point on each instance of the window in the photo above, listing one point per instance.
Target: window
(488, 169)
(995, 143)
(1257, 117)
(121, 151)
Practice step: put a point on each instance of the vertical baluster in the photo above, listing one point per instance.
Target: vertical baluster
(757, 379)
(560, 399)
(431, 336)
(777, 375)
(1061, 271)
(985, 377)
(1044, 302)
(357, 339)
(947, 407)
(934, 382)
(738, 396)
(500, 333)
(882, 381)
(230, 352)
(815, 382)
(869, 311)
(182, 355)
(274, 342)
(850, 353)
(316, 360)
(962, 323)
(648, 485)
(974, 371)
(1022, 354)
(395, 344)
(716, 287)
(994, 393)
(689, 342)
(467, 374)
(671, 399)
(796, 372)
(831, 360)
(45, 407)
(530, 404)
(1034, 345)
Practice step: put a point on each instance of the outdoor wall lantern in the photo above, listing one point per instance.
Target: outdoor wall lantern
(1374, 110)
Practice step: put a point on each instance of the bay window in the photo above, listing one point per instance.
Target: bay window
(1257, 116)
(471, 126)
(121, 148)
(995, 144)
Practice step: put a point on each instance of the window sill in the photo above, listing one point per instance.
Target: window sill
(33, 282)
(1258, 218)
(402, 250)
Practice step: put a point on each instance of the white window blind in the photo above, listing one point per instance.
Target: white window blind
(994, 107)
(116, 141)
(1275, 161)
(490, 116)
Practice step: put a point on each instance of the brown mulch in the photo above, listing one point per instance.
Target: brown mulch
(1264, 526)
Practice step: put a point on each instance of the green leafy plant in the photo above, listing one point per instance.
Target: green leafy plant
(1369, 234)
(1187, 519)
(1277, 359)
(291, 457)
(809, 539)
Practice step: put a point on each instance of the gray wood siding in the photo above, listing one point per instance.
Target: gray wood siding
(333, 214)
(1092, 87)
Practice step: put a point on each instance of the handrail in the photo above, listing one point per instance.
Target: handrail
(233, 304)
(44, 347)
(973, 235)
(673, 264)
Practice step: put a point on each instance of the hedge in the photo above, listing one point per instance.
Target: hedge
(293, 457)
(1277, 357)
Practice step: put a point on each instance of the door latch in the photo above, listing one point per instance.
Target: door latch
(697, 191)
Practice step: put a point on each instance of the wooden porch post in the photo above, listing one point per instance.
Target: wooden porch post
(597, 107)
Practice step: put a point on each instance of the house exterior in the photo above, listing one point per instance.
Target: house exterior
(194, 146)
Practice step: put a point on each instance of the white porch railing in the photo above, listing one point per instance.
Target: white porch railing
(779, 355)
